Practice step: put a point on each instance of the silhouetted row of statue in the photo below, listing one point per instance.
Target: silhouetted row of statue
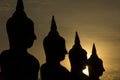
(17, 64)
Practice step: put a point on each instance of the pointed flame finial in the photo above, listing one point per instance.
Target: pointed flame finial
(20, 5)
(77, 40)
(53, 24)
(94, 52)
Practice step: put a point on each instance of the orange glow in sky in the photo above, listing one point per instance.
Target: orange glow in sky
(96, 21)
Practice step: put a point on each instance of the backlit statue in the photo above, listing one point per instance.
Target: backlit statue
(78, 60)
(95, 65)
(16, 63)
(55, 51)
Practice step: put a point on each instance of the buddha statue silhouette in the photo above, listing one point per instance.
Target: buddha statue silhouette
(78, 60)
(54, 46)
(95, 65)
(16, 63)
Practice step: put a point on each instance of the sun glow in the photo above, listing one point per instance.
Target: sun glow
(85, 71)
(66, 64)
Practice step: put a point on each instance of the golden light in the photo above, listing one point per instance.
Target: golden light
(85, 71)
(66, 62)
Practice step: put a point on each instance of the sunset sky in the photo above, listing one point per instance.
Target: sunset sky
(96, 21)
